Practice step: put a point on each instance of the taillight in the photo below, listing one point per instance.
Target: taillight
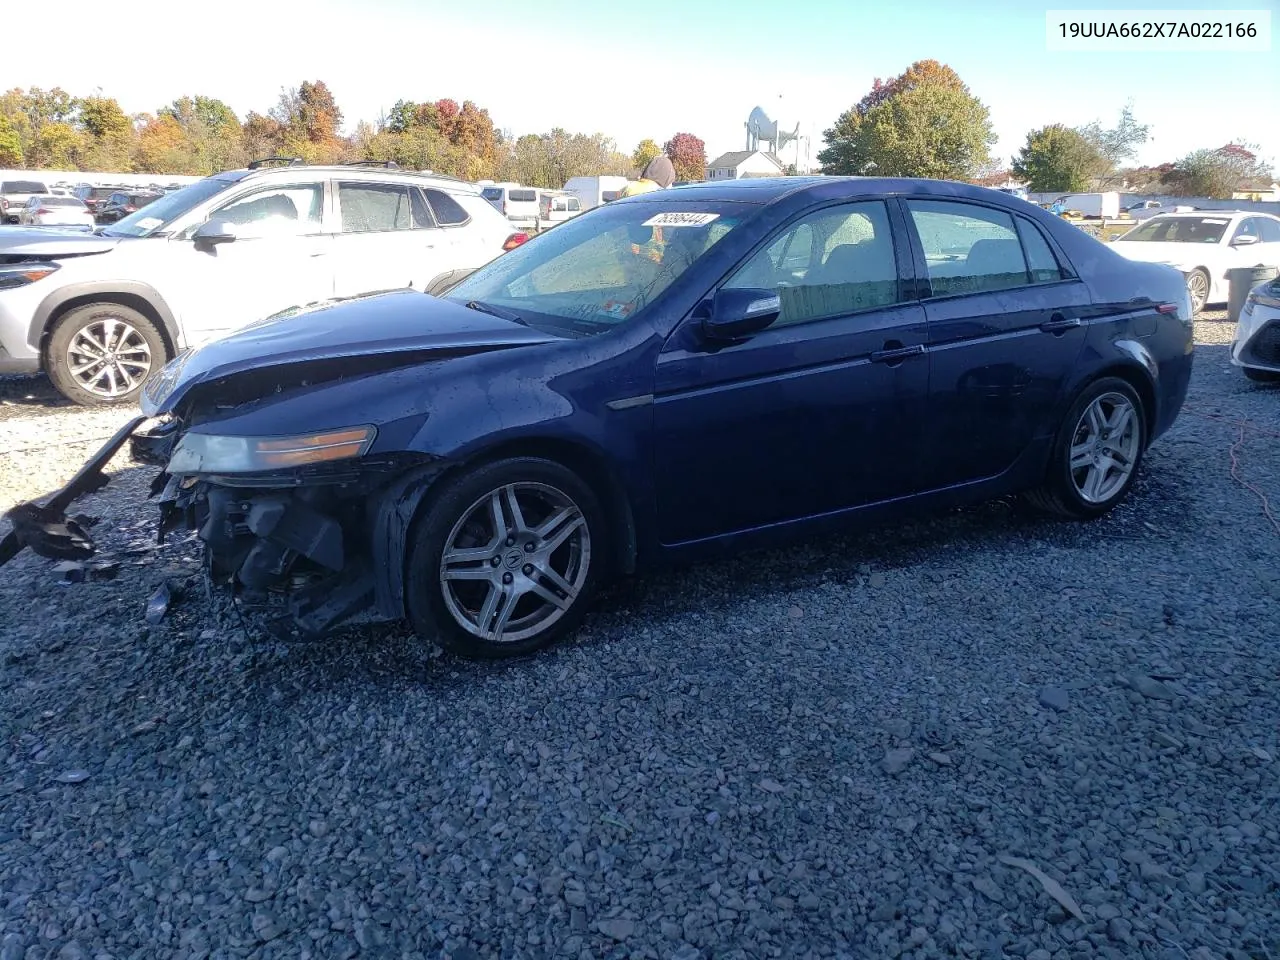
(515, 240)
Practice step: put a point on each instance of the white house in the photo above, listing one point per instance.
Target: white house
(745, 163)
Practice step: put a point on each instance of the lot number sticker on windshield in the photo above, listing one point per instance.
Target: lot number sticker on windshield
(681, 220)
(1215, 220)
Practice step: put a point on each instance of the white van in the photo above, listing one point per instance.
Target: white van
(517, 203)
(594, 191)
(556, 206)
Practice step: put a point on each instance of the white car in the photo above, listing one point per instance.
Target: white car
(1255, 348)
(99, 312)
(53, 210)
(1204, 245)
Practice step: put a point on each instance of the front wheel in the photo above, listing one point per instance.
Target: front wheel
(1096, 455)
(102, 353)
(504, 560)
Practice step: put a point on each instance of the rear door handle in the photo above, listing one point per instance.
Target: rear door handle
(897, 354)
(1060, 324)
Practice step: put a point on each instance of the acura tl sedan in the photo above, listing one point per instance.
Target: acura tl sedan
(700, 368)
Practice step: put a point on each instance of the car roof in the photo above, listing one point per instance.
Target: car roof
(352, 171)
(767, 189)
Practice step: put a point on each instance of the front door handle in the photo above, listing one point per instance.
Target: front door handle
(896, 354)
(1058, 323)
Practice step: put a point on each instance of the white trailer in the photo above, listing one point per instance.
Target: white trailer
(594, 191)
(1101, 205)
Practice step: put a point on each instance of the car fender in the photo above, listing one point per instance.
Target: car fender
(87, 290)
(1132, 360)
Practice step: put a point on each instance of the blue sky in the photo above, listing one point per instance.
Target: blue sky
(697, 67)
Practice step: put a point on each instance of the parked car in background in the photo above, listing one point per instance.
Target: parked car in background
(1204, 245)
(14, 195)
(55, 211)
(593, 192)
(1096, 205)
(674, 373)
(517, 203)
(94, 196)
(1255, 348)
(120, 204)
(556, 207)
(101, 312)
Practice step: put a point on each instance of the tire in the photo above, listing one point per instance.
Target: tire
(142, 352)
(1066, 492)
(472, 615)
(1198, 289)
(1261, 376)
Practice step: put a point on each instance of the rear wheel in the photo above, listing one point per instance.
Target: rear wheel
(505, 559)
(1262, 376)
(1198, 289)
(102, 353)
(1096, 455)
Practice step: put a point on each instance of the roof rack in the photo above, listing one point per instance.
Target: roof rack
(286, 161)
(384, 164)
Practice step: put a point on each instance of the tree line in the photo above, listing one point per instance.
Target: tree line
(925, 122)
(198, 135)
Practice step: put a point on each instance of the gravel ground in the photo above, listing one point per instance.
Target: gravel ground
(971, 735)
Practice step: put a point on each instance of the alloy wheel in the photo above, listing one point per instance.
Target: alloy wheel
(109, 357)
(1105, 447)
(1198, 289)
(515, 562)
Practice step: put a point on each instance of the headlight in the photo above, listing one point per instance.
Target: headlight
(20, 274)
(161, 383)
(206, 453)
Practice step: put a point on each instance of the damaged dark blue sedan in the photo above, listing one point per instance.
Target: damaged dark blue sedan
(708, 366)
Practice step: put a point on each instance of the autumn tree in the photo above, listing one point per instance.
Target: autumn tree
(212, 130)
(688, 155)
(1217, 173)
(1058, 159)
(108, 134)
(551, 159)
(923, 123)
(308, 119)
(645, 151)
(42, 120)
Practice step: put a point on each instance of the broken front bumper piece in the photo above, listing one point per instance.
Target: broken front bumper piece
(46, 529)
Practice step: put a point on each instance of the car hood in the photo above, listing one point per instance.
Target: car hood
(1177, 254)
(369, 331)
(50, 243)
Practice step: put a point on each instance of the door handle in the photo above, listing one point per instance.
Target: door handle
(1057, 323)
(892, 354)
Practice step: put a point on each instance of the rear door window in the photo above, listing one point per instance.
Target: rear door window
(377, 207)
(968, 248)
(522, 196)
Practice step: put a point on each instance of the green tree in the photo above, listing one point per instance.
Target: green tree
(1116, 144)
(212, 131)
(688, 155)
(108, 134)
(29, 112)
(922, 123)
(645, 151)
(1058, 159)
(1216, 173)
(10, 144)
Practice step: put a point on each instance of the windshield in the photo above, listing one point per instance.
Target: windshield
(149, 219)
(596, 271)
(1180, 230)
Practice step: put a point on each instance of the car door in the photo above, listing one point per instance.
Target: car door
(819, 412)
(278, 259)
(387, 238)
(1254, 242)
(1269, 231)
(1006, 326)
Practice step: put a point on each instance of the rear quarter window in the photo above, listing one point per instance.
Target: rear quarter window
(523, 196)
(23, 186)
(448, 212)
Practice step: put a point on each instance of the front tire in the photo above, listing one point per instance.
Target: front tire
(505, 558)
(1096, 454)
(102, 353)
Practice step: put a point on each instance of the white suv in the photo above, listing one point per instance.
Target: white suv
(100, 312)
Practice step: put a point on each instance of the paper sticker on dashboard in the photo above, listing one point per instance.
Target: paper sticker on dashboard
(681, 220)
(147, 223)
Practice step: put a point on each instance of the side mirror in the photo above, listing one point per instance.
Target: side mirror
(739, 313)
(1243, 241)
(215, 231)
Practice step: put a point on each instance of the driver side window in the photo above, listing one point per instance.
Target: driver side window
(295, 210)
(828, 264)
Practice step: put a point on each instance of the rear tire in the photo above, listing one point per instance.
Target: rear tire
(491, 582)
(1096, 454)
(1262, 376)
(1198, 289)
(102, 353)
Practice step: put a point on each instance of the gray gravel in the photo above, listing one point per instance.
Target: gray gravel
(855, 747)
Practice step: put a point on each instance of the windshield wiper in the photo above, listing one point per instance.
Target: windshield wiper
(497, 312)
